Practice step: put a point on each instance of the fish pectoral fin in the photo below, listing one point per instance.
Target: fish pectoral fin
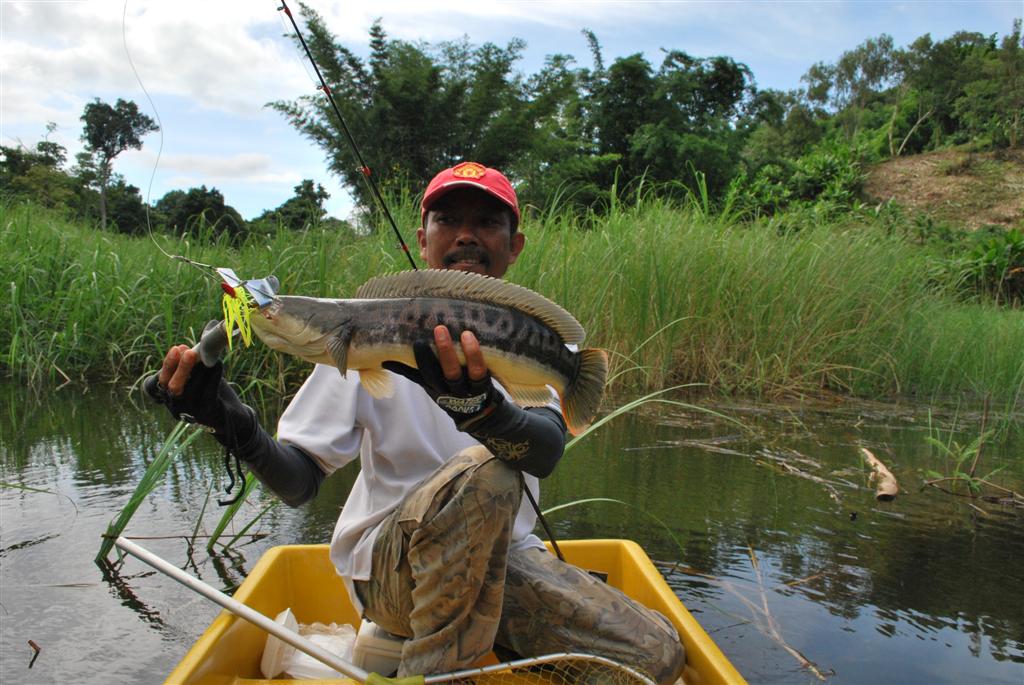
(529, 395)
(377, 382)
(337, 346)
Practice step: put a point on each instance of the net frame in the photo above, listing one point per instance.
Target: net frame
(564, 668)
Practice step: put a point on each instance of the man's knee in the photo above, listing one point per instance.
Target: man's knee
(672, 664)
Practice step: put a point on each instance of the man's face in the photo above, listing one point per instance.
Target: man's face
(469, 230)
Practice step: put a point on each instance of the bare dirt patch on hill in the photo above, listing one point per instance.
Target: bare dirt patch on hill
(966, 189)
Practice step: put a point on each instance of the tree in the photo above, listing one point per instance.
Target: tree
(933, 77)
(562, 166)
(16, 161)
(854, 80)
(108, 132)
(682, 119)
(302, 209)
(125, 207)
(413, 108)
(782, 127)
(196, 209)
(30, 175)
(992, 105)
(623, 101)
(37, 173)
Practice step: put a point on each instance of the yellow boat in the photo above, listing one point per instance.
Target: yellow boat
(302, 577)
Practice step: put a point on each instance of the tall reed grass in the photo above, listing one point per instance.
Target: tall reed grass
(742, 309)
(678, 294)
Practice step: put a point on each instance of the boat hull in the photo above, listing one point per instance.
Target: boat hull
(302, 577)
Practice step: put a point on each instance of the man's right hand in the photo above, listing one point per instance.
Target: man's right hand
(177, 367)
(199, 394)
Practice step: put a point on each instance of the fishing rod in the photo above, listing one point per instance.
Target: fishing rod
(363, 167)
(383, 205)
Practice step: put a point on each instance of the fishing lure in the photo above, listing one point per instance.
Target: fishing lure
(240, 298)
(237, 309)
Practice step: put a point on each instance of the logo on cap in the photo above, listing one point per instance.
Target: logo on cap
(469, 170)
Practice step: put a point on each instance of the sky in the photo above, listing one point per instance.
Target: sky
(206, 69)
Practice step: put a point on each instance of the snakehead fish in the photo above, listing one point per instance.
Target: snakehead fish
(523, 335)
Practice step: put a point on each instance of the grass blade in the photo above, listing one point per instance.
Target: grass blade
(647, 399)
(589, 500)
(229, 513)
(250, 524)
(179, 438)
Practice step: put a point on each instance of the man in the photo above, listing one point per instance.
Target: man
(434, 543)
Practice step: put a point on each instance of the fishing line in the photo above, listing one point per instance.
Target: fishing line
(205, 269)
(208, 270)
(286, 27)
(363, 167)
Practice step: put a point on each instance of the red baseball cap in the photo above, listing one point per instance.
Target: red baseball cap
(472, 175)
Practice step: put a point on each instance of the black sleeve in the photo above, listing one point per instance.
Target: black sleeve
(530, 440)
(287, 470)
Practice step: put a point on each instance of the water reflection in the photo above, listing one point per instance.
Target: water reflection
(121, 589)
(923, 589)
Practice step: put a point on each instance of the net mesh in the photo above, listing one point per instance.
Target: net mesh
(557, 669)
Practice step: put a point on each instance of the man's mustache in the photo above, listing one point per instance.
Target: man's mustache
(469, 253)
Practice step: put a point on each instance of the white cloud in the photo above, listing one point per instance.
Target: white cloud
(224, 56)
(187, 180)
(204, 169)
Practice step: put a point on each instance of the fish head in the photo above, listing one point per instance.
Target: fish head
(299, 325)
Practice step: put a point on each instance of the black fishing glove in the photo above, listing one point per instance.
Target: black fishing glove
(464, 400)
(209, 401)
(530, 440)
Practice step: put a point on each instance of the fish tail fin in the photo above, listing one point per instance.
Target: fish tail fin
(584, 394)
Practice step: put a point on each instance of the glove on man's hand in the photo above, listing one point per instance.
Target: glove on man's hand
(463, 399)
(209, 401)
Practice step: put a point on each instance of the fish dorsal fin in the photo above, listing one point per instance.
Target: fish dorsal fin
(464, 285)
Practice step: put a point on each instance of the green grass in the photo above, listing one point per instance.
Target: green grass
(179, 438)
(678, 295)
(837, 308)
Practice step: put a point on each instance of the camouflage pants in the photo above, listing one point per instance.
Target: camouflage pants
(443, 575)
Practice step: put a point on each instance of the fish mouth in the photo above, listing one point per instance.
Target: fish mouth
(469, 258)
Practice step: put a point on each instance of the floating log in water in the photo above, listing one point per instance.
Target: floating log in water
(886, 487)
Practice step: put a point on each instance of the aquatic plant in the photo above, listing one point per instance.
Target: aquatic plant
(961, 479)
(180, 437)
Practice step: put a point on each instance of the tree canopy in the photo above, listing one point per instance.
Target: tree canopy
(303, 209)
(109, 131)
(577, 134)
(186, 211)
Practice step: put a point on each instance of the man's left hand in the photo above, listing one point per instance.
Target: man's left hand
(464, 392)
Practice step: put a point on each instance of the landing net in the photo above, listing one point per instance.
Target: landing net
(557, 669)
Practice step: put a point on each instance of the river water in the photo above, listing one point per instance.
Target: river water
(767, 529)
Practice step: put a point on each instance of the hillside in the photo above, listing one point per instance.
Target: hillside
(961, 188)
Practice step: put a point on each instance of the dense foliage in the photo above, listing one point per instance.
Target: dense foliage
(573, 131)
